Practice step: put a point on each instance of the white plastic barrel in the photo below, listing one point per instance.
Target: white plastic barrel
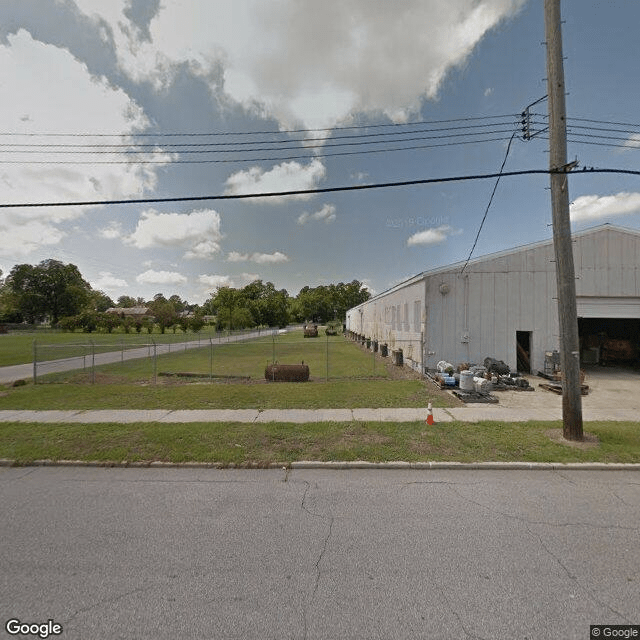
(466, 381)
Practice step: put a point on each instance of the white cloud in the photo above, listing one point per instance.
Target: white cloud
(112, 231)
(160, 277)
(21, 237)
(633, 141)
(57, 94)
(310, 62)
(198, 232)
(435, 235)
(594, 207)
(259, 258)
(269, 258)
(208, 283)
(235, 256)
(108, 282)
(215, 281)
(288, 176)
(326, 214)
(202, 250)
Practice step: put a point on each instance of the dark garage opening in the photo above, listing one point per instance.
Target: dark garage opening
(609, 341)
(523, 348)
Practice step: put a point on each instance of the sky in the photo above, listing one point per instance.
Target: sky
(150, 99)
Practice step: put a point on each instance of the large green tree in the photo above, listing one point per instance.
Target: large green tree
(49, 288)
(329, 302)
(163, 311)
(267, 305)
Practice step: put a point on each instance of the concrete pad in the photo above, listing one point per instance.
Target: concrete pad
(211, 415)
(591, 414)
(121, 416)
(305, 415)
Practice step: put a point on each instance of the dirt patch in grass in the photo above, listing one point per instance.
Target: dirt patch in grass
(361, 435)
(590, 440)
(98, 378)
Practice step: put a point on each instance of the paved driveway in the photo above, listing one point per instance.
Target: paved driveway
(609, 388)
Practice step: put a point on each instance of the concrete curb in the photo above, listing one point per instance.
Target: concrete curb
(441, 416)
(338, 465)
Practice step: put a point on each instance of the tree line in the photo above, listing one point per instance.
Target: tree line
(56, 292)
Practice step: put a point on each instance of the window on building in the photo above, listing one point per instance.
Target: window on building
(417, 313)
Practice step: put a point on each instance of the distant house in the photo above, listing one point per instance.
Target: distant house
(136, 313)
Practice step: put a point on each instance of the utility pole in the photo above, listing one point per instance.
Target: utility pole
(565, 273)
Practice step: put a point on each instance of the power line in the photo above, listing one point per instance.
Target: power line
(305, 141)
(493, 193)
(307, 156)
(108, 149)
(279, 194)
(250, 133)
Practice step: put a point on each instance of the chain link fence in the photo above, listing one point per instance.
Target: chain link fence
(236, 357)
(136, 356)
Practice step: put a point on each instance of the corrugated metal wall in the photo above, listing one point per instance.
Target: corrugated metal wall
(482, 308)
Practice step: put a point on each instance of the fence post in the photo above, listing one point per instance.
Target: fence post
(35, 361)
(155, 362)
(273, 342)
(327, 357)
(93, 362)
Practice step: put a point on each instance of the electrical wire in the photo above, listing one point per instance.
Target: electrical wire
(184, 148)
(297, 192)
(215, 145)
(308, 156)
(493, 193)
(251, 133)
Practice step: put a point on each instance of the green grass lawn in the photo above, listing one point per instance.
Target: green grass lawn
(279, 395)
(356, 379)
(262, 444)
(16, 347)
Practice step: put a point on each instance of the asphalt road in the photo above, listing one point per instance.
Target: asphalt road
(187, 553)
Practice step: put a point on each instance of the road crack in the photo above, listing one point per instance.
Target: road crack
(575, 579)
(526, 520)
(321, 554)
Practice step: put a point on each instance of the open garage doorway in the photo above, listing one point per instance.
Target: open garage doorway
(523, 348)
(609, 341)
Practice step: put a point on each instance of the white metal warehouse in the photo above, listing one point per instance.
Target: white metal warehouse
(504, 306)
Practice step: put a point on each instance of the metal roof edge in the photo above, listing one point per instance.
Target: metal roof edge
(607, 226)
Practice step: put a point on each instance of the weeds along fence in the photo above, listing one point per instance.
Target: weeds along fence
(242, 356)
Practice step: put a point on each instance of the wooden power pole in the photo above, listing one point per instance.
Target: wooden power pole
(565, 273)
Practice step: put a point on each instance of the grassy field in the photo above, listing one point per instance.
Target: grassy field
(332, 357)
(262, 444)
(16, 347)
(363, 381)
(356, 379)
(280, 395)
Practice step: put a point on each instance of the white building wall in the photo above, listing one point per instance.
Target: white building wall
(484, 306)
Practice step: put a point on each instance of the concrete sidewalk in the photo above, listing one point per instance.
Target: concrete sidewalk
(474, 413)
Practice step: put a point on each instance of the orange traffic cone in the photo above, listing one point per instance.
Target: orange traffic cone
(430, 414)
